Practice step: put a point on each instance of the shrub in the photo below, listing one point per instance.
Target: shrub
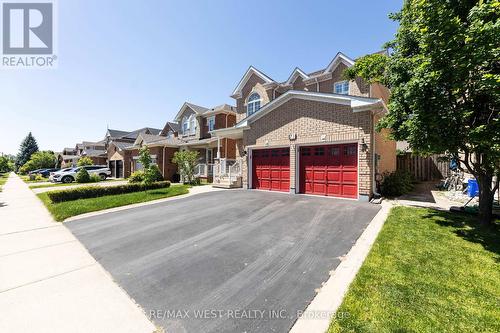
(82, 176)
(99, 191)
(136, 177)
(155, 173)
(95, 178)
(186, 161)
(396, 183)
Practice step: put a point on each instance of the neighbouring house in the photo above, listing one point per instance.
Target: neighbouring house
(190, 131)
(96, 151)
(313, 133)
(116, 142)
(161, 148)
(67, 158)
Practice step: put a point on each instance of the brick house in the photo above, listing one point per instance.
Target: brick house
(190, 131)
(312, 134)
(116, 142)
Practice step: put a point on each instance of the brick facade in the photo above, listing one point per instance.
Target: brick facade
(315, 122)
(310, 121)
(164, 157)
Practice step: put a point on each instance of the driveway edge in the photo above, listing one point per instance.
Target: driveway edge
(192, 191)
(318, 315)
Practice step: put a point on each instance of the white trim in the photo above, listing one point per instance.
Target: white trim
(339, 58)
(355, 102)
(341, 82)
(251, 70)
(296, 73)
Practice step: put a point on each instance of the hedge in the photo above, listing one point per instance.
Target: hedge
(99, 191)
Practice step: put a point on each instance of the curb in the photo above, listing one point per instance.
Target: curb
(141, 204)
(318, 315)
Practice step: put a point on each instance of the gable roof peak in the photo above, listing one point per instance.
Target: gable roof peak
(339, 58)
(296, 73)
(251, 70)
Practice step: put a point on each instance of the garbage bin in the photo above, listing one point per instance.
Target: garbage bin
(472, 188)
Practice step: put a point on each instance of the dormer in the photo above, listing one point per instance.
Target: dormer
(254, 90)
(189, 119)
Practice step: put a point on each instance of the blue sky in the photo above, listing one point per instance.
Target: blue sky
(130, 64)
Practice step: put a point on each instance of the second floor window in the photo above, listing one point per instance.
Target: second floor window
(185, 125)
(193, 124)
(341, 87)
(253, 104)
(211, 123)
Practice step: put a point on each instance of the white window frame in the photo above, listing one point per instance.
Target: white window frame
(342, 88)
(192, 124)
(252, 103)
(185, 125)
(211, 123)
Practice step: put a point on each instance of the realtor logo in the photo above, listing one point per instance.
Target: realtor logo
(28, 29)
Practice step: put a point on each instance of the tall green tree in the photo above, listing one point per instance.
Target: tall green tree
(6, 164)
(443, 70)
(28, 147)
(39, 160)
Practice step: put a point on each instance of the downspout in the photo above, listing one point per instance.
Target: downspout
(374, 186)
(164, 161)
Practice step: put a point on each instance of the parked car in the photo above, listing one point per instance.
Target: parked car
(34, 172)
(68, 176)
(46, 172)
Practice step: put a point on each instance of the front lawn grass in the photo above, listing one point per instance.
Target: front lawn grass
(428, 271)
(63, 210)
(3, 179)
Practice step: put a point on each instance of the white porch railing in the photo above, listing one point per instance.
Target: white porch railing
(204, 170)
(227, 168)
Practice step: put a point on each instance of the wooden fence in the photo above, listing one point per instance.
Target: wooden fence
(423, 168)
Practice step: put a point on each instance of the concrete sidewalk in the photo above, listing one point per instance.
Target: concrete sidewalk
(48, 280)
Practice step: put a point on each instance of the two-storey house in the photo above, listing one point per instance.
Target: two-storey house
(313, 133)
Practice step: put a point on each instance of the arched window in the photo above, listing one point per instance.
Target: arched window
(253, 104)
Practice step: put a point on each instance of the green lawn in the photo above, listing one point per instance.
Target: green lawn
(3, 179)
(428, 271)
(63, 210)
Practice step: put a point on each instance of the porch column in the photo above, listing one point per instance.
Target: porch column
(218, 147)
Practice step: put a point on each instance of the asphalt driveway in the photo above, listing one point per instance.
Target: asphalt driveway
(226, 261)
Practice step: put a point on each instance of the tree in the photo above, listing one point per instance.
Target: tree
(28, 147)
(186, 161)
(444, 74)
(83, 161)
(6, 164)
(39, 160)
(149, 168)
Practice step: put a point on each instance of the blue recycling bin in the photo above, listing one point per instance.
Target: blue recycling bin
(472, 188)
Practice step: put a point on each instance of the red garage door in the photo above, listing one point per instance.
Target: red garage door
(271, 169)
(330, 170)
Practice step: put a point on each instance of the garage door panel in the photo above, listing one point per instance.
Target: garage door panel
(271, 169)
(333, 176)
(350, 176)
(319, 175)
(349, 190)
(330, 170)
(334, 190)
